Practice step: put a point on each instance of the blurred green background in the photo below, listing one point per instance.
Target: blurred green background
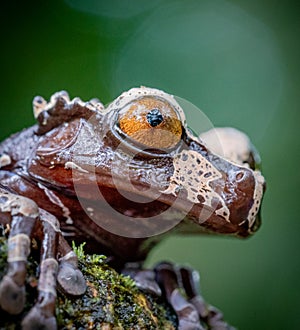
(238, 61)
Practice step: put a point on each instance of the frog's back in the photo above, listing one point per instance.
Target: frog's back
(18, 147)
(18, 152)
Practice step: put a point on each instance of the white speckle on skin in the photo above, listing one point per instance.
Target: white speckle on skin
(56, 200)
(18, 248)
(73, 166)
(47, 280)
(193, 172)
(69, 221)
(235, 146)
(4, 160)
(15, 204)
(257, 197)
(90, 211)
(39, 104)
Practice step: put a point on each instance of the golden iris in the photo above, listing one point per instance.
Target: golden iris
(151, 122)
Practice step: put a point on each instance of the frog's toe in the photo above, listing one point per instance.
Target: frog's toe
(144, 279)
(36, 319)
(192, 310)
(71, 280)
(216, 321)
(188, 317)
(208, 314)
(12, 296)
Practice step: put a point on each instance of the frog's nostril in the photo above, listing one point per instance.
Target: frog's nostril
(239, 176)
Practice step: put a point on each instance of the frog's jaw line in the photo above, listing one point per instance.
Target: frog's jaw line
(194, 172)
(257, 197)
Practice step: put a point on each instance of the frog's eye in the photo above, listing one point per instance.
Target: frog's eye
(152, 122)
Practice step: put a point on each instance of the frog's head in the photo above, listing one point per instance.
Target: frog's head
(220, 193)
(145, 161)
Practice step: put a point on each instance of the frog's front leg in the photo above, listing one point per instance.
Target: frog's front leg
(70, 279)
(27, 221)
(42, 314)
(22, 214)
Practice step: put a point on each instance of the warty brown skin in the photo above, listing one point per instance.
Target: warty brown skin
(39, 155)
(78, 175)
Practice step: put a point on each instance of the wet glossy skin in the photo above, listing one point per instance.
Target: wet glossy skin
(42, 158)
(119, 178)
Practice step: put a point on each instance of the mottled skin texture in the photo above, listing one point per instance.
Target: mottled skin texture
(56, 167)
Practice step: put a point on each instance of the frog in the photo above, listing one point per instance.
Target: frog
(120, 178)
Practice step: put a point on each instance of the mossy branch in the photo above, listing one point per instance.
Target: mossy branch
(111, 301)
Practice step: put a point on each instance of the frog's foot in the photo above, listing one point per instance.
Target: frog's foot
(27, 221)
(179, 285)
(70, 279)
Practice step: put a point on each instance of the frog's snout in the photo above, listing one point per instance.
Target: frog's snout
(260, 187)
(250, 186)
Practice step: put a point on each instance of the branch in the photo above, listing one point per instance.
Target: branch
(111, 301)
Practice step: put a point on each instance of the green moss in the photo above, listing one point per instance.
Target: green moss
(111, 301)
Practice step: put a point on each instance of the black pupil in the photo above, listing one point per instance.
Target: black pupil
(154, 117)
